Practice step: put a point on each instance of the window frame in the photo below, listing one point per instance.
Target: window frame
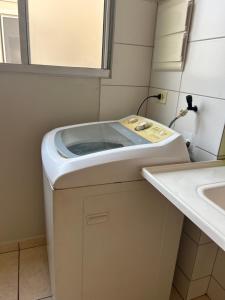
(26, 67)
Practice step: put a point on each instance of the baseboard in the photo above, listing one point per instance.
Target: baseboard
(32, 242)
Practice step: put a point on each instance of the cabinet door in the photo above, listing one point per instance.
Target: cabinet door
(124, 244)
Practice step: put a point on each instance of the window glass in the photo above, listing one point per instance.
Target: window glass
(66, 33)
(9, 35)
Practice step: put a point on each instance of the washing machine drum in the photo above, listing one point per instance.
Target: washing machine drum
(78, 141)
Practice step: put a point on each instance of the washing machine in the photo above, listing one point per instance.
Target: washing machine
(110, 234)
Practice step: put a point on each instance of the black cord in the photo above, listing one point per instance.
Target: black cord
(172, 122)
(159, 96)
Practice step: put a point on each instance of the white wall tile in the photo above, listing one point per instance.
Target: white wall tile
(187, 255)
(181, 283)
(204, 297)
(222, 146)
(215, 291)
(204, 239)
(205, 127)
(208, 19)
(198, 288)
(36, 104)
(120, 101)
(163, 113)
(204, 261)
(198, 154)
(174, 295)
(189, 289)
(131, 65)
(204, 71)
(219, 268)
(135, 22)
(194, 232)
(166, 80)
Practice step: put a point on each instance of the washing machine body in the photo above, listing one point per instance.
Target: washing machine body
(110, 234)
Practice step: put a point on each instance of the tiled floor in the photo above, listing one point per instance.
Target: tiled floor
(24, 275)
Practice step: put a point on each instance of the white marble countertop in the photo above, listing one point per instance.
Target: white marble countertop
(180, 184)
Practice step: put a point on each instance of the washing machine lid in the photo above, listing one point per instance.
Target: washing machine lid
(88, 139)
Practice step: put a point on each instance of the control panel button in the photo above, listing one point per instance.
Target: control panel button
(143, 125)
(162, 132)
(132, 120)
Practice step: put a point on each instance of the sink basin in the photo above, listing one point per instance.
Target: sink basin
(214, 193)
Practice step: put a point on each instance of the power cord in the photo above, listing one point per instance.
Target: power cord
(159, 97)
(182, 113)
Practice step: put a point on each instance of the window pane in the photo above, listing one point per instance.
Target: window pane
(10, 38)
(66, 33)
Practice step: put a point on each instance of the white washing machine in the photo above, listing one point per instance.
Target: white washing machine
(111, 235)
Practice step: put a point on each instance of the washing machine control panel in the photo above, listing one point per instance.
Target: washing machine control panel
(148, 129)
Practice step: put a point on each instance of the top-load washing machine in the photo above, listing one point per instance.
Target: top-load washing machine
(111, 235)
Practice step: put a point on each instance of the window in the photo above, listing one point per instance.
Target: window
(9, 33)
(10, 39)
(50, 36)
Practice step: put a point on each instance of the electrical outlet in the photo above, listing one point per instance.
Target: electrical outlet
(164, 94)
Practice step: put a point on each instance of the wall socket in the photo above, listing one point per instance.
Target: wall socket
(164, 94)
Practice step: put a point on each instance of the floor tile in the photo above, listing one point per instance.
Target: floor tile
(34, 280)
(9, 247)
(9, 276)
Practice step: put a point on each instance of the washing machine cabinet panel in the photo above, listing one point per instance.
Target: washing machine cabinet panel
(117, 241)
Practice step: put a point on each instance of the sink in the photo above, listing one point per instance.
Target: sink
(197, 190)
(214, 193)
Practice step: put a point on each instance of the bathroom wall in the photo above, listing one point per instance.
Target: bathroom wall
(216, 289)
(131, 59)
(195, 262)
(203, 77)
(33, 104)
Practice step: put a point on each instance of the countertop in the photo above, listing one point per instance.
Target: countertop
(180, 183)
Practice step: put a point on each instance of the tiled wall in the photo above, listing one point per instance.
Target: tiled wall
(195, 262)
(38, 103)
(131, 59)
(216, 289)
(203, 77)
